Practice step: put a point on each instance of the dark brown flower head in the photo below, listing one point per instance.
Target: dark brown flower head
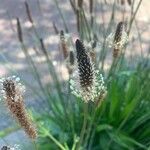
(28, 12)
(19, 30)
(15, 147)
(5, 148)
(84, 65)
(43, 48)
(9, 87)
(118, 39)
(62, 33)
(118, 33)
(86, 82)
(55, 28)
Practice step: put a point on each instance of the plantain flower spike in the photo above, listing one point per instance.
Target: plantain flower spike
(86, 82)
(15, 147)
(118, 39)
(12, 91)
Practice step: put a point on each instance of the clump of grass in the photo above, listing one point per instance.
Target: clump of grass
(95, 118)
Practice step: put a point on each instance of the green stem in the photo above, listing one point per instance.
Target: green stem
(61, 15)
(52, 72)
(92, 138)
(55, 140)
(75, 143)
(35, 145)
(98, 115)
(133, 17)
(90, 128)
(103, 53)
(83, 130)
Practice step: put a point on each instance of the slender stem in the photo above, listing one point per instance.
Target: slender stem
(97, 116)
(75, 143)
(83, 130)
(92, 138)
(72, 3)
(35, 72)
(90, 128)
(71, 109)
(53, 138)
(133, 17)
(35, 145)
(112, 68)
(11, 24)
(104, 50)
(56, 142)
(91, 12)
(140, 39)
(62, 17)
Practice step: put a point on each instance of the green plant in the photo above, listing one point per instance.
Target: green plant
(119, 120)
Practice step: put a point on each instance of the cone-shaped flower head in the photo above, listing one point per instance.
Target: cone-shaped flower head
(11, 88)
(84, 66)
(15, 147)
(118, 39)
(86, 82)
(12, 91)
(120, 34)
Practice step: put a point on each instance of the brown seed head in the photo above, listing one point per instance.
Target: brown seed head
(118, 32)
(118, 38)
(13, 96)
(28, 12)
(63, 43)
(84, 65)
(19, 31)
